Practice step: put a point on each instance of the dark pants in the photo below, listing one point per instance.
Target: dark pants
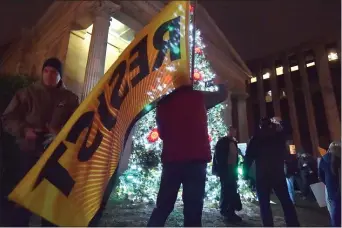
(192, 176)
(264, 186)
(228, 199)
(335, 214)
(11, 213)
(307, 179)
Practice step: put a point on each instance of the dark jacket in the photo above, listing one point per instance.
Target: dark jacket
(328, 178)
(291, 165)
(182, 125)
(268, 149)
(220, 160)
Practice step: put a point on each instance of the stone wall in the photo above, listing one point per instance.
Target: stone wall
(49, 37)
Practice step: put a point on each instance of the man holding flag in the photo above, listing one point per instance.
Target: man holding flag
(182, 125)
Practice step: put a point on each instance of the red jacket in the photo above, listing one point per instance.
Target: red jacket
(182, 125)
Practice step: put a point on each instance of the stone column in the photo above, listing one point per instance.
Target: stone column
(291, 102)
(98, 45)
(63, 44)
(310, 114)
(275, 90)
(227, 114)
(328, 94)
(261, 93)
(242, 116)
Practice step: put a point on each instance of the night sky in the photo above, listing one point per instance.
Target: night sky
(254, 27)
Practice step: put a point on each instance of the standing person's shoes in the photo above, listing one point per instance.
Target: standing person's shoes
(231, 216)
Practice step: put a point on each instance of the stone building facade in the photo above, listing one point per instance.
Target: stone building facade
(88, 36)
(303, 86)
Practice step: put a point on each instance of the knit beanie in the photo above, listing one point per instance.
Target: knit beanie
(55, 63)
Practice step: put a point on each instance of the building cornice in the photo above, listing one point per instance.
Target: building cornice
(205, 20)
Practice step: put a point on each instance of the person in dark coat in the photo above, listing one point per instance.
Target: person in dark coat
(328, 174)
(268, 149)
(308, 173)
(182, 125)
(291, 171)
(225, 163)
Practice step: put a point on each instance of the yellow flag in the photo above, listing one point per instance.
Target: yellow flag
(66, 185)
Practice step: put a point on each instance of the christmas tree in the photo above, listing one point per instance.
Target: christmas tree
(141, 180)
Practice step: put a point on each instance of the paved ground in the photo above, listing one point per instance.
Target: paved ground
(122, 214)
(126, 214)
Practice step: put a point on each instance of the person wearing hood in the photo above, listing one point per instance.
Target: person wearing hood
(34, 112)
(268, 149)
(329, 174)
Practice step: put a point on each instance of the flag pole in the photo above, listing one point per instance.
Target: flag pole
(193, 40)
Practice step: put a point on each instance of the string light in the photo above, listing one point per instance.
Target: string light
(140, 182)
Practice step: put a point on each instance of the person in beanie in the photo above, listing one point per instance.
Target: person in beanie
(182, 125)
(34, 112)
(268, 149)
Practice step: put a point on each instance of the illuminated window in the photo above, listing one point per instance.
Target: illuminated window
(254, 79)
(332, 56)
(280, 70)
(310, 64)
(268, 97)
(294, 68)
(266, 75)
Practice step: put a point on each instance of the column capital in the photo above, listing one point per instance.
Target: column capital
(88, 11)
(105, 9)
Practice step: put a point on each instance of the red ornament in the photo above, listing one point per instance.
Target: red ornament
(198, 50)
(153, 136)
(167, 79)
(210, 139)
(191, 9)
(197, 75)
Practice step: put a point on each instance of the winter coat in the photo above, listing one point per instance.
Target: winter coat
(291, 166)
(35, 107)
(328, 178)
(38, 107)
(268, 149)
(182, 125)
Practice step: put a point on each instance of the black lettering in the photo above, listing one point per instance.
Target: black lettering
(55, 173)
(173, 44)
(82, 123)
(119, 70)
(140, 61)
(116, 99)
(87, 152)
(107, 119)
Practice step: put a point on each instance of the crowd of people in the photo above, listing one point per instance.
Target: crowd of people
(38, 112)
(182, 123)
